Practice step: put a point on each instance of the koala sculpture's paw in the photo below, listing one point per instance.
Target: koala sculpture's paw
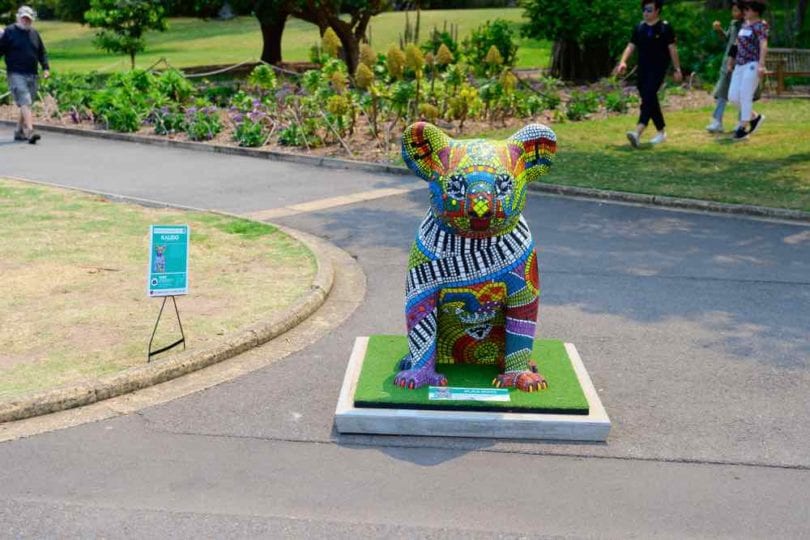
(527, 381)
(416, 378)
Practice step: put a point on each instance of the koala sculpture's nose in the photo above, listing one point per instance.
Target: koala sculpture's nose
(479, 205)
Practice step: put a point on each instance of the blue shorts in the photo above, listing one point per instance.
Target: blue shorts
(23, 87)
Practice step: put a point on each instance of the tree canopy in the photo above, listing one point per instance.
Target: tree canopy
(123, 23)
(272, 14)
(588, 35)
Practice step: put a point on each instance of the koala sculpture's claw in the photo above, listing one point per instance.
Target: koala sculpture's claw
(527, 381)
(417, 378)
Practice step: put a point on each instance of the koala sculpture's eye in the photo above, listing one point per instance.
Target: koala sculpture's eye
(457, 187)
(503, 186)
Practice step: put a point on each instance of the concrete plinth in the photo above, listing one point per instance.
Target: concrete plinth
(594, 426)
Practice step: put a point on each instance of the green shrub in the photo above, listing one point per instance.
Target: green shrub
(202, 123)
(122, 117)
(138, 79)
(4, 92)
(699, 48)
(167, 120)
(497, 33)
(581, 104)
(250, 133)
(530, 105)
(73, 93)
(616, 101)
(120, 108)
(437, 39)
(305, 134)
(216, 94)
(174, 85)
(263, 77)
(291, 136)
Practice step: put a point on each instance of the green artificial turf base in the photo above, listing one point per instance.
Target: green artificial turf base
(376, 389)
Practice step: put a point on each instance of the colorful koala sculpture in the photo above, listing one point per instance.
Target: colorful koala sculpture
(473, 286)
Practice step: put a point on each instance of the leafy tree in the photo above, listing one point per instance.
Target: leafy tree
(498, 34)
(273, 14)
(71, 10)
(123, 23)
(588, 35)
(7, 10)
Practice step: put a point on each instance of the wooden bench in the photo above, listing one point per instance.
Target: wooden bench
(783, 63)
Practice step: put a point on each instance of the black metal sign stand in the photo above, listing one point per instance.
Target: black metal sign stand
(150, 352)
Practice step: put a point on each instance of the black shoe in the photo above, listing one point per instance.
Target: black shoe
(34, 138)
(740, 134)
(756, 122)
(19, 136)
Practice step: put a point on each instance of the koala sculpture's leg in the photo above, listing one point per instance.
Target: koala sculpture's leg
(523, 289)
(422, 334)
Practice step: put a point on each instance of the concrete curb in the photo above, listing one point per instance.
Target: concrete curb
(337, 163)
(170, 367)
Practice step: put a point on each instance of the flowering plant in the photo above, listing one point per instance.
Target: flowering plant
(202, 123)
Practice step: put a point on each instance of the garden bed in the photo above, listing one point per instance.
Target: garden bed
(361, 143)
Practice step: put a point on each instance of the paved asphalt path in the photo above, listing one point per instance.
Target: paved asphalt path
(694, 328)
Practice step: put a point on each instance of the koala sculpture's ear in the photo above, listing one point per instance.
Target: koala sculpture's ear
(426, 150)
(532, 150)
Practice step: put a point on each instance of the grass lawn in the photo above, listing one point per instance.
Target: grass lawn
(193, 42)
(75, 266)
(772, 168)
(376, 388)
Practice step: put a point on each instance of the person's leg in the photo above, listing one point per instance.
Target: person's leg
(748, 85)
(31, 83)
(20, 86)
(716, 125)
(18, 96)
(734, 86)
(656, 114)
(27, 120)
(719, 109)
(644, 107)
(643, 114)
(19, 131)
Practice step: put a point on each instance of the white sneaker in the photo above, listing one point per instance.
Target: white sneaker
(632, 136)
(659, 138)
(715, 127)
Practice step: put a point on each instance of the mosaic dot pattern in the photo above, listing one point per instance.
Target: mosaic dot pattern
(473, 285)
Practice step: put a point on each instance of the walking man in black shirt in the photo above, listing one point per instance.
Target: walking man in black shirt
(655, 41)
(23, 49)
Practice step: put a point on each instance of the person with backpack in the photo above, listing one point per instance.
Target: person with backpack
(749, 58)
(655, 41)
(22, 46)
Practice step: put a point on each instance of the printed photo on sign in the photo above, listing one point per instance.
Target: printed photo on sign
(168, 260)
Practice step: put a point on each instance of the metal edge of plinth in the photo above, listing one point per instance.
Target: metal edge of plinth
(568, 427)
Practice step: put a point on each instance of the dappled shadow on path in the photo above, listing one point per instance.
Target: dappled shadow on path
(746, 281)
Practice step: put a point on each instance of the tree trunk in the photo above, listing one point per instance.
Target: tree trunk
(801, 12)
(570, 62)
(349, 43)
(271, 38)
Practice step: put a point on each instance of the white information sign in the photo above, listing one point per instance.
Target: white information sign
(450, 393)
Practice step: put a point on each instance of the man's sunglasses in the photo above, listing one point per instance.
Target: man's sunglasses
(648, 9)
